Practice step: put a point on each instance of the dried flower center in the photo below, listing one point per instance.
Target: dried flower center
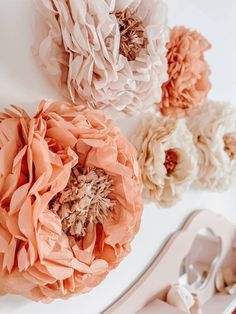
(84, 200)
(171, 161)
(230, 146)
(132, 37)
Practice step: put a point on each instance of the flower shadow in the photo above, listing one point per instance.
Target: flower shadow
(9, 303)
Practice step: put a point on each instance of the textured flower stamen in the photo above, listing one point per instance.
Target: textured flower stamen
(84, 200)
(230, 146)
(171, 161)
(132, 37)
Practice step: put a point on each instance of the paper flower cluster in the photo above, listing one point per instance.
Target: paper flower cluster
(173, 154)
(188, 83)
(105, 54)
(70, 182)
(214, 131)
(70, 200)
(167, 157)
(118, 55)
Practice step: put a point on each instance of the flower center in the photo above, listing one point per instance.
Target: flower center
(84, 200)
(132, 38)
(230, 146)
(171, 161)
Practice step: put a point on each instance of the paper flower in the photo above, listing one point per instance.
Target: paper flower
(108, 54)
(167, 158)
(188, 83)
(214, 131)
(181, 298)
(70, 200)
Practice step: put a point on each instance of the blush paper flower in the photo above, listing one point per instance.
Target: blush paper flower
(107, 54)
(70, 200)
(214, 132)
(188, 71)
(167, 158)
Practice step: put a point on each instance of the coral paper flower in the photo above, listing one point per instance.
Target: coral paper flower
(167, 158)
(108, 54)
(188, 71)
(214, 132)
(70, 200)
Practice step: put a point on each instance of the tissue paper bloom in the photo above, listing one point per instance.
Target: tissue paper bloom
(180, 297)
(167, 158)
(214, 132)
(70, 200)
(108, 54)
(188, 83)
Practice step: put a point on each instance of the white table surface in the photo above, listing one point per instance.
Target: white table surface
(22, 83)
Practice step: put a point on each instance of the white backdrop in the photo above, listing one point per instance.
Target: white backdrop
(23, 84)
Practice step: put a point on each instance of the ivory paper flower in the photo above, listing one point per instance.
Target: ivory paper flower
(108, 54)
(167, 158)
(181, 298)
(70, 200)
(188, 71)
(214, 131)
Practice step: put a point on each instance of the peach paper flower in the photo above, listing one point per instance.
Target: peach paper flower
(214, 132)
(167, 158)
(188, 71)
(107, 54)
(70, 200)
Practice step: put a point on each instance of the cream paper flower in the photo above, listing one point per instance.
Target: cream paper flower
(214, 132)
(167, 158)
(181, 298)
(108, 54)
